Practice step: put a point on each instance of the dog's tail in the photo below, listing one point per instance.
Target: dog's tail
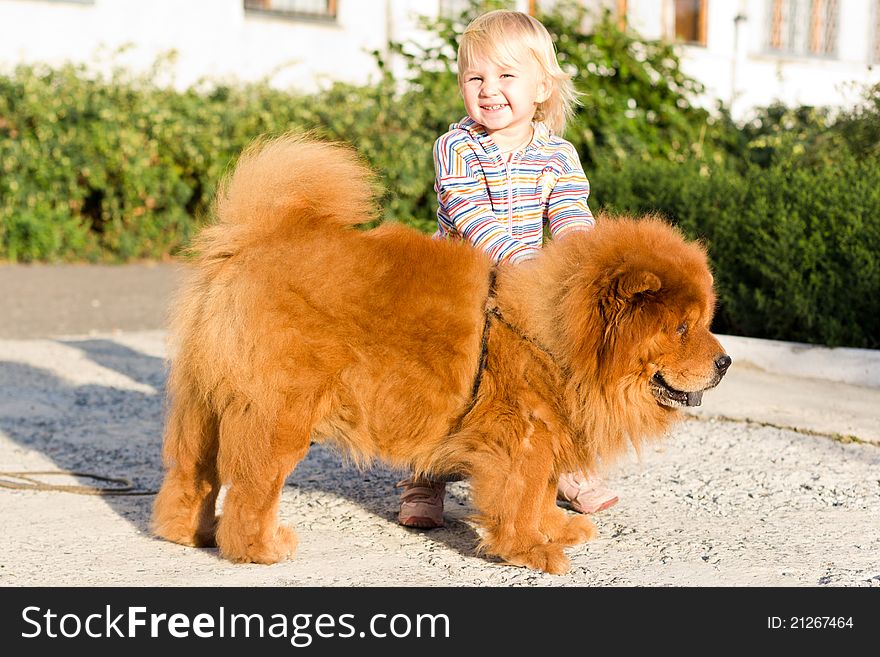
(290, 183)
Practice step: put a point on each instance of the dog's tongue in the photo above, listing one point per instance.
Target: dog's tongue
(695, 398)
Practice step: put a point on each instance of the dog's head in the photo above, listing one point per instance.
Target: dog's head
(667, 313)
(642, 302)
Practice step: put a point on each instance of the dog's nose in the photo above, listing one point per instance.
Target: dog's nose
(722, 363)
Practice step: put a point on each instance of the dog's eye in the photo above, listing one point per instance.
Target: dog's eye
(682, 329)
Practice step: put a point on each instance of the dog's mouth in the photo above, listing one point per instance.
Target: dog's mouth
(669, 396)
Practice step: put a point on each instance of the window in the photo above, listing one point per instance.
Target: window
(690, 21)
(319, 9)
(802, 27)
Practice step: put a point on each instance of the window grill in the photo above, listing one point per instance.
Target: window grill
(320, 9)
(803, 27)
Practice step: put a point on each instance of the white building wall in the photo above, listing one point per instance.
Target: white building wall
(217, 39)
(648, 17)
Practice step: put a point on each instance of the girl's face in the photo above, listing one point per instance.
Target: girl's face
(503, 99)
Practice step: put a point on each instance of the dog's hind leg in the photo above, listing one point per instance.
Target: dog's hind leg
(256, 455)
(184, 510)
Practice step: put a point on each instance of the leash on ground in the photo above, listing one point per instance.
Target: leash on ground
(27, 481)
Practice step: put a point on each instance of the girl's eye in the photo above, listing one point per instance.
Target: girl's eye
(507, 75)
(474, 79)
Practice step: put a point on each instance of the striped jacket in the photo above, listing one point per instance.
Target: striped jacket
(499, 206)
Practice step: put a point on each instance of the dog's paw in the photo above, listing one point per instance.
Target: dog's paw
(575, 531)
(550, 558)
(281, 547)
(286, 541)
(565, 529)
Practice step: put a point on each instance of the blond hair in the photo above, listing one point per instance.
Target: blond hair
(504, 37)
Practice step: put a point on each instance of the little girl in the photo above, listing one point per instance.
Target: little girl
(502, 174)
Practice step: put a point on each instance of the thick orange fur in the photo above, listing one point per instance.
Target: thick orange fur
(293, 326)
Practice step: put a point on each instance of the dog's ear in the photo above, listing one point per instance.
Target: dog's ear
(625, 291)
(629, 284)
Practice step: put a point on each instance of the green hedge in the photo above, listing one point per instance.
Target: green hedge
(795, 250)
(116, 169)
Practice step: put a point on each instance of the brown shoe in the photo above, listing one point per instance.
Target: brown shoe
(421, 503)
(585, 494)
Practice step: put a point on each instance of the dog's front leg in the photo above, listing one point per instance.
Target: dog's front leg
(561, 527)
(509, 490)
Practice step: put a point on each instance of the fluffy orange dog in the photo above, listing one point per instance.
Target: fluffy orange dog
(295, 327)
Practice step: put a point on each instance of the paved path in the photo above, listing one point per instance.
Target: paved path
(774, 481)
(43, 300)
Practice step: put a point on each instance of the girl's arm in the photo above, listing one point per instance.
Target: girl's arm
(567, 208)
